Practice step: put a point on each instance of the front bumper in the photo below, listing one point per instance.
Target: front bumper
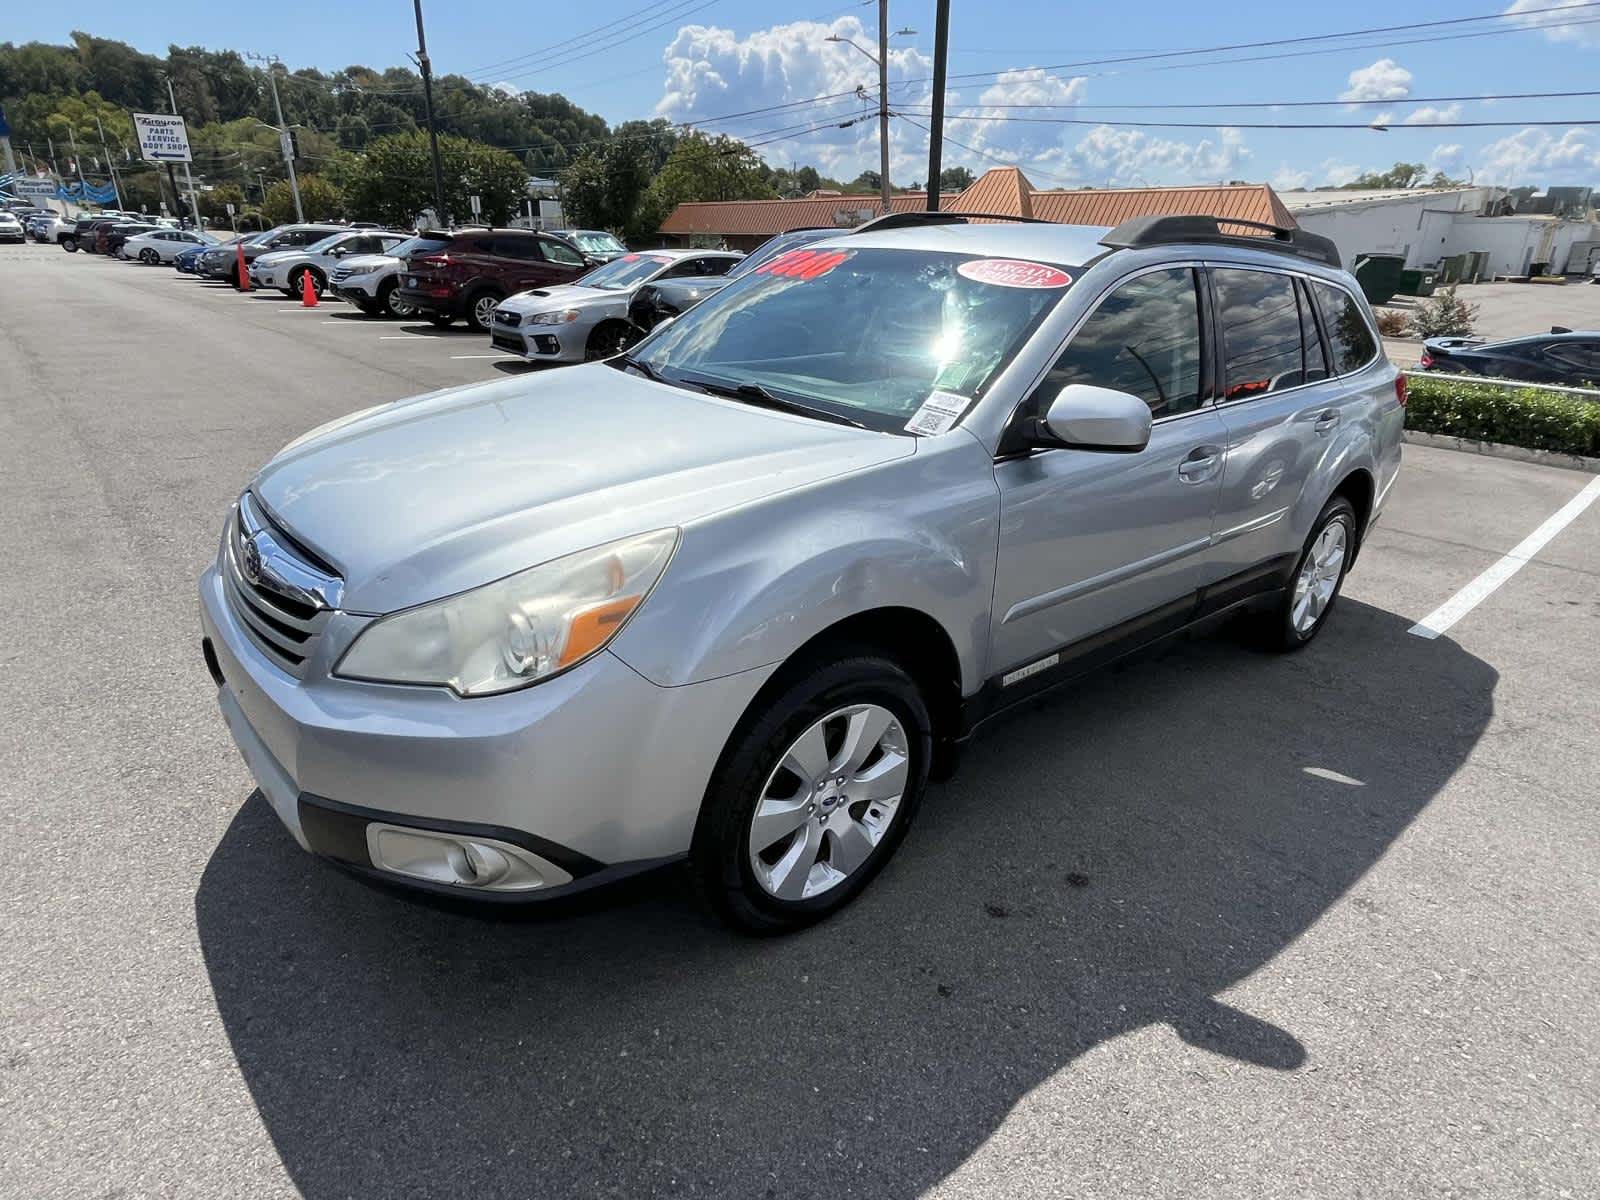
(272, 277)
(527, 768)
(542, 343)
(357, 288)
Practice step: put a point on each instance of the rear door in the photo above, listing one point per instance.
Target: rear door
(1292, 350)
(1092, 541)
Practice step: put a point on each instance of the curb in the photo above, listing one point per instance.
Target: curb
(1543, 458)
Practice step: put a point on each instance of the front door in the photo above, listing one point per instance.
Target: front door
(1089, 540)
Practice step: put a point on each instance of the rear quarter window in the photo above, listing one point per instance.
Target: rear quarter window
(1349, 336)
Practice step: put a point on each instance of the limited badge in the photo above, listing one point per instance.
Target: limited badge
(939, 412)
(1014, 272)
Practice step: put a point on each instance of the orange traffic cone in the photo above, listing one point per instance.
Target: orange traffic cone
(308, 291)
(244, 271)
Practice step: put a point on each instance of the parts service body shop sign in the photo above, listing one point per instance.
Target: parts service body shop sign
(162, 138)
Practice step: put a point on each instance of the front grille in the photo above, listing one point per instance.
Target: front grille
(506, 341)
(502, 317)
(285, 608)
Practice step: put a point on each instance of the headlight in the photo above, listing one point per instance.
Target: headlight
(566, 316)
(517, 630)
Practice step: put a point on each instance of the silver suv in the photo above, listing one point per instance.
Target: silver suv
(735, 596)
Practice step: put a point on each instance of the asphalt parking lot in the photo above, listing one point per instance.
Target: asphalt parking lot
(1212, 924)
(1508, 310)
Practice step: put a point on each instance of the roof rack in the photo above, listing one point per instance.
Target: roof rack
(1163, 231)
(918, 217)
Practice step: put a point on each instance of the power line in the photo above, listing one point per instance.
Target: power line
(1314, 103)
(607, 29)
(982, 154)
(1262, 124)
(1319, 37)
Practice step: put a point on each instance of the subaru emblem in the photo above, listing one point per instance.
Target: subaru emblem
(251, 566)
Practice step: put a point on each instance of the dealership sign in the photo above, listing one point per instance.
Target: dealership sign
(34, 189)
(162, 138)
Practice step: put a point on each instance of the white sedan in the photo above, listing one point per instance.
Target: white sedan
(164, 245)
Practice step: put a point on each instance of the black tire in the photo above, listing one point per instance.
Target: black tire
(149, 257)
(608, 339)
(70, 245)
(1278, 630)
(440, 320)
(720, 858)
(297, 285)
(370, 308)
(390, 302)
(477, 314)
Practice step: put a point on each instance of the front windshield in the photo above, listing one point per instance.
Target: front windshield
(879, 336)
(624, 272)
(598, 243)
(422, 244)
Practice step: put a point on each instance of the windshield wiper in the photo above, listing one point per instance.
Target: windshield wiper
(754, 393)
(639, 365)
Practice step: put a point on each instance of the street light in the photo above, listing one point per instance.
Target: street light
(881, 61)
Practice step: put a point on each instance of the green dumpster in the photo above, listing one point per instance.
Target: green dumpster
(1418, 283)
(1379, 275)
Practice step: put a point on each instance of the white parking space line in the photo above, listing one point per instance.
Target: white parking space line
(1481, 588)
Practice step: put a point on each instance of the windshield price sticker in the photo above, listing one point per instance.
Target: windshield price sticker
(1014, 272)
(803, 264)
(939, 412)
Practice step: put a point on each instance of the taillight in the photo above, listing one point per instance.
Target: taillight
(1400, 389)
(1427, 360)
(431, 260)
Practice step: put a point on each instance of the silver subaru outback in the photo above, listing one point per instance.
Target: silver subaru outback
(735, 596)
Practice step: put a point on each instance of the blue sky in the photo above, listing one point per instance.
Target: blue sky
(701, 60)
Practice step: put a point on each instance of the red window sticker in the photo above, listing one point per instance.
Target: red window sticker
(1014, 272)
(630, 258)
(803, 264)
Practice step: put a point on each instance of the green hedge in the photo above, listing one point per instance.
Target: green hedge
(1533, 417)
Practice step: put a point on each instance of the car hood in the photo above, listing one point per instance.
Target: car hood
(276, 258)
(566, 295)
(426, 497)
(368, 262)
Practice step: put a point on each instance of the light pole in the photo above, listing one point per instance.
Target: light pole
(426, 68)
(284, 143)
(188, 176)
(881, 61)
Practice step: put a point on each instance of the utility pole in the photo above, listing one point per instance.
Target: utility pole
(284, 143)
(941, 52)
(433, 129)
(188, 177)
(77, 162)
(54, 170)
(883, 99)
(110, 166)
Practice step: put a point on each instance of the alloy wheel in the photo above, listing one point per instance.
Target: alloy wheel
(1318, 577)
(483, 310)
(397, 305)
(829, 802)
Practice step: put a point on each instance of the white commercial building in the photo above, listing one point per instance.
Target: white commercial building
(1429, 225)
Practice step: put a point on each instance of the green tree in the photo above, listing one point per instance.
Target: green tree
(703, 168)
(1401, 175)
(955, 179)
(603, 186)
(214, 203)
(393, 183)
(321, 200)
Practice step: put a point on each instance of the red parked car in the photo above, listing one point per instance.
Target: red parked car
(478, 268)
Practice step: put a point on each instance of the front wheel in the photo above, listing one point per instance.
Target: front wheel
(440, 320)
(149, 257)
(481, 311)
(392, 302)
(1318, 576)
(609, 340)
(813, 794)
(70, 245)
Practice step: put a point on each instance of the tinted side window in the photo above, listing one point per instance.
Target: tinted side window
(560, 252)
(1349, 337)
(1260, 317)
(1144, 338)
(514, 247)
(1316, 360)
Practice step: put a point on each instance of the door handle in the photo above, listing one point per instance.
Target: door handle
(1200, 464)
(1326, 422)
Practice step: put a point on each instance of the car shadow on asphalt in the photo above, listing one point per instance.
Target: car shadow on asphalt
(1111, 859)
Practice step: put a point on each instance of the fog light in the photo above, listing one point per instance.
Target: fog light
(456, 860)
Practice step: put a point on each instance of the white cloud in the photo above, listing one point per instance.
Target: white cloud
(1289, 179)
(1383, 80)
(1111, 157)
(712, 71)
(1337, 174)
(1430, 115)
(1448, 158)
(1550, 21)
(1536, 158)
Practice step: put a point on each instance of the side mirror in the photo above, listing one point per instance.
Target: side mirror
(1083, 417)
